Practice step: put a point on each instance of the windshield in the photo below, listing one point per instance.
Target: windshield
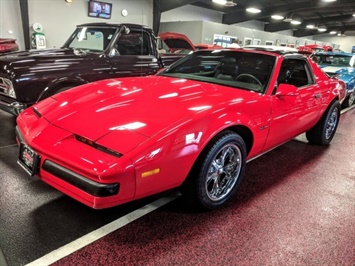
(91, 38)
(335, 60)
(238, 69)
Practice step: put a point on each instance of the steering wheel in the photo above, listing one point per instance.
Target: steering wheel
(248, 78)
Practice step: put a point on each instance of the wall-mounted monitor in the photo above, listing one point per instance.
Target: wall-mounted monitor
(99, 9)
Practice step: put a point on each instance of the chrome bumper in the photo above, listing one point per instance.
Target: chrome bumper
(11, 105)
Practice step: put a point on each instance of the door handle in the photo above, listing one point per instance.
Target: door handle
(317, 95)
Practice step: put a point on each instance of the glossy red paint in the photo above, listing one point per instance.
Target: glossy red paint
(314, 48)
(202, 46)
(8, 45)
(160, 125)
(176, 41)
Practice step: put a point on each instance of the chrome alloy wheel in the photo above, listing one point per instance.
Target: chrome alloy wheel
(223, 172)
(331, 123)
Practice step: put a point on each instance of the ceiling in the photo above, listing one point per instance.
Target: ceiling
(335, 16)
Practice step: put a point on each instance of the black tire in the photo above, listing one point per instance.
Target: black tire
(218, 172)
(349, 100)
(323, 132)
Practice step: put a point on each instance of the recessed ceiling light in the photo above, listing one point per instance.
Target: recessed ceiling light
(227, 3)
(310, 26)
(329, 1)
(278, 17)
(220, 2)
(253, 10)
(322, 29)
(353, 15)
(332, 32)
(295, 22)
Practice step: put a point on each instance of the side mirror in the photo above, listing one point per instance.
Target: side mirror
(286, 90)
(127, 30)
(114, 52)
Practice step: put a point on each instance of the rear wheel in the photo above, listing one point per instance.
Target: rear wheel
(323, 132)
(349, 100)
(219, 172)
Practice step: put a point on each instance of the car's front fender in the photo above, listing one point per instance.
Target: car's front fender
(59, 83)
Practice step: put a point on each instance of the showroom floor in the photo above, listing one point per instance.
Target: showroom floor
(295, 206)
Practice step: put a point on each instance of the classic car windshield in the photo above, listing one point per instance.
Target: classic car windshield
(91, 38)
(335, 60)
(245, 70)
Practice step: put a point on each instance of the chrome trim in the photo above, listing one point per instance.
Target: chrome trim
(14, 107)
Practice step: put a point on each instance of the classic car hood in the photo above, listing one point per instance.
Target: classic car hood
(145, 105)
(176, 41)
(31, 57)
(339, 70)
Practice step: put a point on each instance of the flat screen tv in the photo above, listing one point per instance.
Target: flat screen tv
(99, 9)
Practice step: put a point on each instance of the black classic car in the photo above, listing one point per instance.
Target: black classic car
(94, 51)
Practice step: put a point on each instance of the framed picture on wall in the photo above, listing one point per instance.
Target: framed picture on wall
(269, 43)
(292, 45)
(247, 41)
(283, 44)
(256, 41)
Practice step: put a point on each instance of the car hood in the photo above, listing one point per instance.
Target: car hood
(24, 59)
(144, 105)
(339, 70)
(176, 41)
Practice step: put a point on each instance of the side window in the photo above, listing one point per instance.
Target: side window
(295, 72)
(134, 43)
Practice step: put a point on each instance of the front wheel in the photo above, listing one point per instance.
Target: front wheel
(220, 171)
(323, 132)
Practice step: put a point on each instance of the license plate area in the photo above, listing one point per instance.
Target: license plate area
(28, 159)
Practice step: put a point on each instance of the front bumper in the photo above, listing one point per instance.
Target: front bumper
(94, 194)
(11, 106)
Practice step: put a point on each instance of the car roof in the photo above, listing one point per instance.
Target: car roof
(259, 50)
(272, 48)
(110, 25)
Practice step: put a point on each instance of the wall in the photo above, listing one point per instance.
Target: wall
(189, 12)
(192, 30)
(10, 24)
(193, 14)
(203, 31)
(346, 43)
(59, 19)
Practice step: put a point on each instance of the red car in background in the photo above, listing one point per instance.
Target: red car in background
(194, 126)
(8, 45)
(314, 48)
(179, 43)
(203, 46)
(173, 42)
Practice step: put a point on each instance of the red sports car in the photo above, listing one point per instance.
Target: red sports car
(8, 45)
(194, 126)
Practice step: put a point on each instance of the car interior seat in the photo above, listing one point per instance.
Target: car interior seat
(227, 69)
